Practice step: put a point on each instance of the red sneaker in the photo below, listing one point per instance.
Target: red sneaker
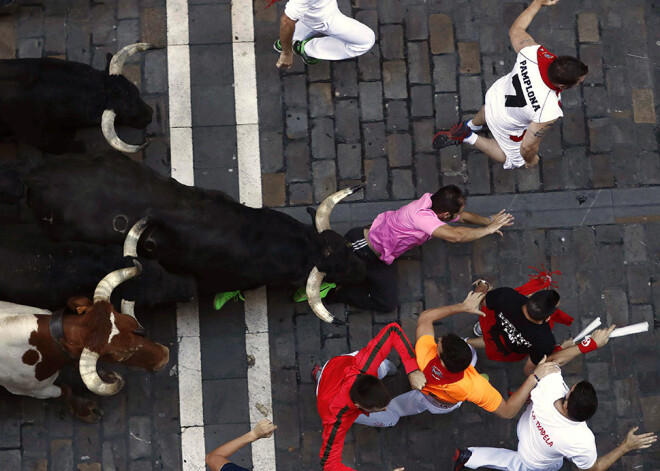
(453, 137)
(460, 458)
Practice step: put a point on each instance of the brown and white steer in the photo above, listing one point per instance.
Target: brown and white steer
(35, 344)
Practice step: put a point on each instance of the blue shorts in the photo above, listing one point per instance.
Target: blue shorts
(233, 467)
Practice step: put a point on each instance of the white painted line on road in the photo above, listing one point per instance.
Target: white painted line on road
(191, 404)
(249, 186)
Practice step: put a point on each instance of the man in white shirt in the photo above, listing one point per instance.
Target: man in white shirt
(554, 426)
(521, 106)
(343, 37)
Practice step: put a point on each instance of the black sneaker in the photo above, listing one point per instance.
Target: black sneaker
(460, 458)
(453, 137)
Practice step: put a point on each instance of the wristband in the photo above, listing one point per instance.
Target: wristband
(491, 219)
(587, 345)
(537, 378)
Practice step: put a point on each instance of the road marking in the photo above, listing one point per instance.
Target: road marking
(191, 404)
(249, 187)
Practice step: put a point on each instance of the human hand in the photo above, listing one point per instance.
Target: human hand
(533, 163)
(547, 2)
(544, 368)
(285, 60)
(567, 343)
(481, 286)
(399, 469)
(264, 429)
(417, 380)
(638, 442)
(499, 220)
(472, 302)
(602, 336)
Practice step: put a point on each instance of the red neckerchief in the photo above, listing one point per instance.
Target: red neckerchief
(544, 59)
(437, 374)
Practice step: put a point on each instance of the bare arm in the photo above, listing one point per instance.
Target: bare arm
(427, 318)
(287, 27)
(600, 336)
(530, 144)
(470, 218)
(632, 442)
(220, 456)
(468, 234)
(518, 34)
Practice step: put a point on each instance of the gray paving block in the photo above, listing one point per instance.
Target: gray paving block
(296, 123)
(417, 22)
(324, 174)
(399, 150)
(349, 161)
(397, 116)
(345, 79)
(223, 179)
(375, 171)
(421, 99)
(210, 64)
(213, 105)
(374, 140)
(478, 173)
(423, 132)
(297, 161)
(10, 459)
(347, 121)
(391, 42)
(419, 69)
(426, 174)
(471, 95)
(225, 401)
(221, 358)
(271, 151)
(300, 193)
(394, 79)
(369, 65)
(295, 93)
(446, 110)
(210, 24)
(323, 138)
(390, 11)
(402, 184)
(371, 101)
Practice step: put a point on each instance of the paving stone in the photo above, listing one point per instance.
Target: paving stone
(419, 70)
(601, 172)
(8, 38)
(371, 101)
(87, 442)
(572, 127)
(155, 72)
(600, 137)
(397, 116)
(369, 65)
(325, 181)
(390, 11)
(478, 174)
(442, 34)
(213, 105)
(226, 406)
(633, 243)
(643, 107)
(295, 93)
(345, 79)
(271, 151)
(402, 184)
(297, 161)
(575, 168)
(210, 24)
(139, 443)
(391, 42)
(639, 284)
(320, 72)
(10, 459)
(10, 427)
(471, 95)
(597, 102)
(296, 123)
(61, 454)
(470, 59)
(417, 22)
(616, 304)
(323, 138)
(300, 193)
(421, 98)
(588, 27)
(347, 125)
(374, 140)
(375, 171)
(273, 189)
(530, 178)
(446, 110)
(153, 25)
(349, 161)
(444, 73)
(128, 9)
(423, 131)
(399, 150)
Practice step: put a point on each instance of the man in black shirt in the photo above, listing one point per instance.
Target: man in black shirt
(518, 326)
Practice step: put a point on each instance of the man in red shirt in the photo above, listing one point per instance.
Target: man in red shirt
(348, 386)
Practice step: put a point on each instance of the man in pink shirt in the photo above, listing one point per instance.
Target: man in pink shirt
(394, 232)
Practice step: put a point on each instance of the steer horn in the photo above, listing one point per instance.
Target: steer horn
(133, 236)
(91, 378)
(112, 280)
(108, 119)
(328, 204)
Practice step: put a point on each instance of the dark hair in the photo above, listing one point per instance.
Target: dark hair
(582, 402)
(566, 70)
(369, 392)
(447, 199)
(456, 353)
(542, 304)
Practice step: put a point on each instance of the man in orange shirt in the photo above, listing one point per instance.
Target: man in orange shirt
(451, 378)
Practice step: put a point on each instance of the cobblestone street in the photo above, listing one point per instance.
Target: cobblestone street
(591, 210)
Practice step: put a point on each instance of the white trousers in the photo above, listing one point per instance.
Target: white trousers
(383, 369)
(410, 403)
(343, 38)
(502, 458)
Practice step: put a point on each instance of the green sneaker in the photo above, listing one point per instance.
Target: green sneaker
(486, 376)
(277, 45)
(299, 48)
(222, 298)
(301, 293)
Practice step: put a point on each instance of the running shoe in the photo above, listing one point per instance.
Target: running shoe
(299, 48)
(486, 376)
(453, 137)
(222, 298)
(477, 330)
(277, 45)
(315, 372)
(460, 458)
(301, 293)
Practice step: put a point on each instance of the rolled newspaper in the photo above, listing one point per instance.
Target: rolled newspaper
(587, 330)
(630, 329)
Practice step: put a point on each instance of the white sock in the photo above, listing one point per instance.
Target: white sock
(473, 126)
(471, 139)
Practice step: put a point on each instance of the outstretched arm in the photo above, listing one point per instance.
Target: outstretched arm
(600, 337)
(468, 234)
(220, 456)
(518, 34)
(427, 318)
(632, 442)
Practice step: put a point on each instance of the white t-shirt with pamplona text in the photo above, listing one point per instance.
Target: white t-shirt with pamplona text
(545, 436)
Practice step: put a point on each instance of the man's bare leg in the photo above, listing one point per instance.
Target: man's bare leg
(484, 144)
(480, 118)
(477, 342)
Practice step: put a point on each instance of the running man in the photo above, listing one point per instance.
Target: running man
(554, 426)
(395, 232)
(343, 37)
(519, 326)
(347, 386)
(522, 106)
(451, 378)
(218, 459)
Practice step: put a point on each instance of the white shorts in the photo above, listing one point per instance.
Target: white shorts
(500, 127)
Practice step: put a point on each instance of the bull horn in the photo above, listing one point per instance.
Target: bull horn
(325, 208)
(117, 61)
(110, 134)
(133, 236)
(112, 280)
(313, 290)
(91, 378)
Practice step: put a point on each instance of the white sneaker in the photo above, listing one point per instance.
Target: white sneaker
(391, 367)
(477, 330)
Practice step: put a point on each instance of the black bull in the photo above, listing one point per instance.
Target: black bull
(44, 101)
(42, 273)
(223, 244)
